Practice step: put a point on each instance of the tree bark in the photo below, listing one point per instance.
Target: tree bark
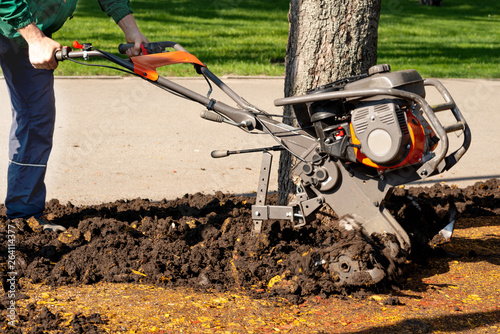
(328, 40)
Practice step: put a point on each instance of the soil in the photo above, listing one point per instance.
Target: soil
(204, 244)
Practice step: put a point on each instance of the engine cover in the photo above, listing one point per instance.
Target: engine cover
(382, 130)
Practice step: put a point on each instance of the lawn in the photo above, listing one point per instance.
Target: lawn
(461, 39)
(231, 36)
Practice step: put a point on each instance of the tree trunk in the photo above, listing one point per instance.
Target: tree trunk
(328, 40)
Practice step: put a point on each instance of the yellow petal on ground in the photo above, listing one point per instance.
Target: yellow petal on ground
(138, 272)
(274, 280)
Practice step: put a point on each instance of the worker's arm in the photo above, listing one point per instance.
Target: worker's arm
(132, 34)
(15, 13)
(121, 13)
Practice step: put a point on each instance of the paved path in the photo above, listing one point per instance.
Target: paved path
(124, 138)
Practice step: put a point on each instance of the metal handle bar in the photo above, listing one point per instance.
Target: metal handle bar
(243, 116)
(429, 167)
(461, 123)
(66, 53)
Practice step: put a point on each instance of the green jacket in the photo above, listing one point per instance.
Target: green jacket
(49, 15)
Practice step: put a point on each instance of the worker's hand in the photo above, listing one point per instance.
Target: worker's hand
(41, 48)
(41, 53)
(132, 35)
(138, 39)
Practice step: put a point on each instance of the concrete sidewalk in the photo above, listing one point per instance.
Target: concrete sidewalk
(122, 138)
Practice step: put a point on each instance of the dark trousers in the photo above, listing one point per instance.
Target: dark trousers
(30, 141)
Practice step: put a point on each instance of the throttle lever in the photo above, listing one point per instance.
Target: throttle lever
(83, 47)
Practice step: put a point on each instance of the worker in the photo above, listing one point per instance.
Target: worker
(28, 63)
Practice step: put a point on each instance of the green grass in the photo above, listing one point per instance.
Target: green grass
(241, 37)
(461, 39)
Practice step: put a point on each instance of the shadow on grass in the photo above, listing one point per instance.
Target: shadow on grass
(206, 9)
(451, 9)
(454, 40)
(441, 61)
(216, 31)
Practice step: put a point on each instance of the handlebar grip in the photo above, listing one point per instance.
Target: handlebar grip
(153, 47)
(61, 55)
(122, 48)
(146, 48)
(219, 154)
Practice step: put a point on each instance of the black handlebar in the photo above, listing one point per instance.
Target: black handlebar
(155, 47)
